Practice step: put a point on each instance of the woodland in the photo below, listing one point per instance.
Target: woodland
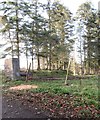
(67, 87)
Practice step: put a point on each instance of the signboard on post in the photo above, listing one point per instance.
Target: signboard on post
(12, 69)
(15, 68)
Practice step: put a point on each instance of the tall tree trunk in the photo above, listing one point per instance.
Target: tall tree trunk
(49, 3)
(32, 59)
(26, 59)
(57, 65)
(32, 64)
(11, 44)
(38, 59)
(47, 62)
(50, 64)
(17, 29)
(81, 58)
(17, 38)
(89, 57)
(84, 59)
(27, 62)
(66, 80)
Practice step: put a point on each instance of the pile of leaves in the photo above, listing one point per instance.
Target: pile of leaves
(59, 106)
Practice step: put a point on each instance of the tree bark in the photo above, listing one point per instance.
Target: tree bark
(66, 82)
(17, 37)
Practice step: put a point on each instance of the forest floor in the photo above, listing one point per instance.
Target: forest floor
(15, 108)
(54, 99)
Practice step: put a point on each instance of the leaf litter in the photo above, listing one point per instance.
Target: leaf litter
(59, 106)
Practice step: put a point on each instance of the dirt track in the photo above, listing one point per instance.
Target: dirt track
(15, 109)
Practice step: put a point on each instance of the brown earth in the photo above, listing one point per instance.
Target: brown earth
(23, 87)
(15, 108)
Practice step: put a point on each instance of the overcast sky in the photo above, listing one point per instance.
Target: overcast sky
(74, 4)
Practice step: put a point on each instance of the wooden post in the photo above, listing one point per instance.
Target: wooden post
(66, 82)
(28, 71)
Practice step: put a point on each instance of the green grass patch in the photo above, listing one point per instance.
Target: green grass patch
(47, 73)
(88, 90)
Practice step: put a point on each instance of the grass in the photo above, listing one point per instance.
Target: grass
(88, 90)
(53, 94)
(47, 73)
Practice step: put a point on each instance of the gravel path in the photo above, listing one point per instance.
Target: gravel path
(16, 109)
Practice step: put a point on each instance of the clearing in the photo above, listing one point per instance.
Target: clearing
(58, 99)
